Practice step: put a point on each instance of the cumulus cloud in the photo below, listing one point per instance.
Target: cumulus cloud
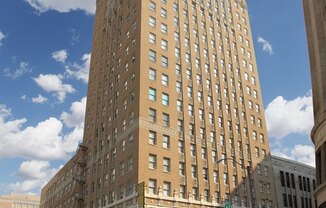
(34, 174)
(22, 69)
(286, 117)
(80, 71)
(53, 83)
(39, 99)
(60, 56)
(2, 36)
(267, 46)
(301, 153)
(77, 114)
(63, 6)
(44, 141)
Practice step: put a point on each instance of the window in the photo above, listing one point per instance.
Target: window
(152, 74)
(152, 186)
(225, 179)
(164, 44)
(164, 13)
(152, 55)
(181, 146)
(177, 52)
(182, 191)
(214, 155)
(268, 188)
(203, 153)
(166, 188)
(152, 6)
(178, 87)
(152, 38)
(195, 193)
(164, 61)
(152, 161)
(261, 186)
(282, 178)
(166, 120)
(215, 176)
(180, 125)
(166, 142)
(205, 174)
(152, 137)
(194, 171)
(166, 165)
(179, 105)
(152, 21)
(189, 91)
(257, 151)
(178, 69)
(122, 168)
(152, 115)
(113, 175)
(164, 28)
(152, 94)
(182, 168)
(165, 80)
(201, 114)
(165, 99)
(130, 164)
(285, 201)
(193, 149)
(176, 36)
(262, 140)
(190, 110)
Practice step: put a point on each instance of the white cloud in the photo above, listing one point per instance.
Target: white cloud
(2, 36)
(80, 71)
(77, 114)
(42, 142)
(60, 56)
(267, 46)
(39, 99)
(45, 141)
(53, 83)
(63, 6)
(301, 153)
(22, 69)
(23, 97)
(35, 174)
(286, 117)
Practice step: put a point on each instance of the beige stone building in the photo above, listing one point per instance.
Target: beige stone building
(19, 201)
(315, 16)
(174, 111)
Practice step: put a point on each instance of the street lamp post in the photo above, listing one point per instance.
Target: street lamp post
(251, 193)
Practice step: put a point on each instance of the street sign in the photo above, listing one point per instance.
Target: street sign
(141, 195)
(227, 205)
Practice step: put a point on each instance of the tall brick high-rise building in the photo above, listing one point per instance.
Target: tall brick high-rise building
(174, 112)
(315, 18)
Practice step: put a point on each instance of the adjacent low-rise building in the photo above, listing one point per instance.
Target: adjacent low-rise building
(19, 200)
(59, 190)
(294, 182)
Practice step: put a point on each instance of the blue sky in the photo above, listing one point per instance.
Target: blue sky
(45, 51)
